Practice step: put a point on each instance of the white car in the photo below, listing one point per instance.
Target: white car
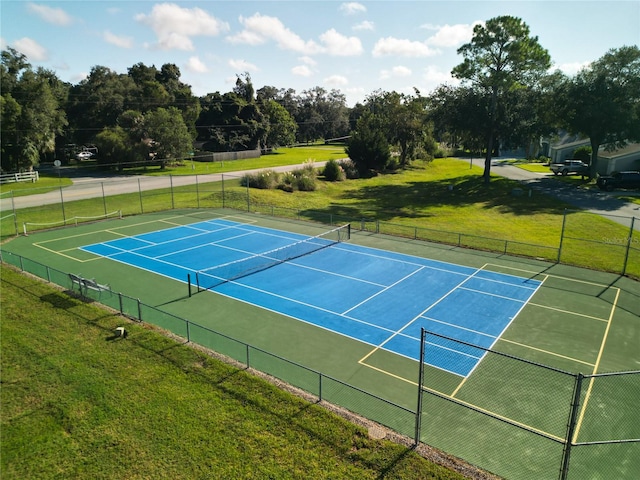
(84, 155)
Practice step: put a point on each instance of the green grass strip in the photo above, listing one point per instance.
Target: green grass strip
(78, 403)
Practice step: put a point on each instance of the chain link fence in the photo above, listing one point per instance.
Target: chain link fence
(515, 418)
(523, 420)
(613, 246)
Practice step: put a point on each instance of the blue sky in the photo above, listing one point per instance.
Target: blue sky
(355, 47)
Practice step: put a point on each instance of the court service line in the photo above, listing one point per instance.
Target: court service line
(569, 312)
(547, 352)
(428, 263)
(382, 291)
(418, 316)
(595, 367)
(524, 304)
(491, 294)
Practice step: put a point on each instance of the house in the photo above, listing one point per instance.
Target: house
(562, 149)
(620, 160)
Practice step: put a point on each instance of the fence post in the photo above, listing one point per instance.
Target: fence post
(140, 195)
(571, 427)
(423, 334)
(222, 175)
(104, 198)
(173, 203)
(564, 221)
(139, 310)
(248, 198)
(120, 301)
(197, 192)
(629, 241)
(64, 217)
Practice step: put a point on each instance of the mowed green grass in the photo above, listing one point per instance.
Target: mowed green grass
(445, 195)
(78, 403)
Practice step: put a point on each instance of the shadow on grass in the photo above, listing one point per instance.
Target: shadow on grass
(232, 380)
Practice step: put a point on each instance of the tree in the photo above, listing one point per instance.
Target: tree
(321, 115)
(169, 134)
(501, 56)
(403, 119)
(368, 147)
(32, 115)
(282, 126)
(97, 102)
(603, 101)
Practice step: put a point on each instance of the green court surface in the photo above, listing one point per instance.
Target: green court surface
(578, 322)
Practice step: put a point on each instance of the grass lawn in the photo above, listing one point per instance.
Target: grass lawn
(445, 195)
(78, 403)
(46, 183)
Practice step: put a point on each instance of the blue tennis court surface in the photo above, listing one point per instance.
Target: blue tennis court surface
(374, 296)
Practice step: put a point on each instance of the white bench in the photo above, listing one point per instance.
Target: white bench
(85, 284)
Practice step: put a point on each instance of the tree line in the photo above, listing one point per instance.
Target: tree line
(507, 96)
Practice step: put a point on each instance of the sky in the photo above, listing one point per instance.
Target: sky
(357, 48)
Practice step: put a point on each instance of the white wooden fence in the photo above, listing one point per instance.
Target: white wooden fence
(19, 177)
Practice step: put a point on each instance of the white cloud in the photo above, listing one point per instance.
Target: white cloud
(55, 16)
(118, 41)
(243, 66)
(308, 60)
(336, 80)
(365, 25)
(31, 49)
(571, 69)
(397, 71)
(195, 65)
(450, 35)
(174, 26)
(435, 76)
(259, 29)
(352, 8)
(402, 47)
(339, 45)
(302, 71)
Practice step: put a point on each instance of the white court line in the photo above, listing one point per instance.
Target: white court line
(382, 291)
(399, 332)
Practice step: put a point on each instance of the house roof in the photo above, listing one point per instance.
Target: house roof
(630, 149)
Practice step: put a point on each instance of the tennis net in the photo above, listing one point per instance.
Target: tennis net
(212, 277)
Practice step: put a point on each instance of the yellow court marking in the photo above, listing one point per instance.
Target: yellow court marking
(362, 361)
(497, 415)
(568, 312)
(547, 352)
(595, 368)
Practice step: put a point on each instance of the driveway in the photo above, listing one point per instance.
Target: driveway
(595, 201)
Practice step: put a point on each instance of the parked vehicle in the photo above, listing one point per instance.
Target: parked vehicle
(569, 166)
(619, 180)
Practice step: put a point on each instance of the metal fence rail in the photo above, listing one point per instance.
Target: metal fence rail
(554, 438)
(614, 252)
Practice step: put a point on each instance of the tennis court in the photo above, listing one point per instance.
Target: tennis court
(377, 297)
(304, 294)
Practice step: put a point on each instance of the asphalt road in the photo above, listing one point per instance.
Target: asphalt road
(595, 201)
(603, 203)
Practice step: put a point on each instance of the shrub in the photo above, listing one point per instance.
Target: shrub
(306, 183)
(287, 182)
(333, 172)
(349, 168)
(264, 180)
(583, 153)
